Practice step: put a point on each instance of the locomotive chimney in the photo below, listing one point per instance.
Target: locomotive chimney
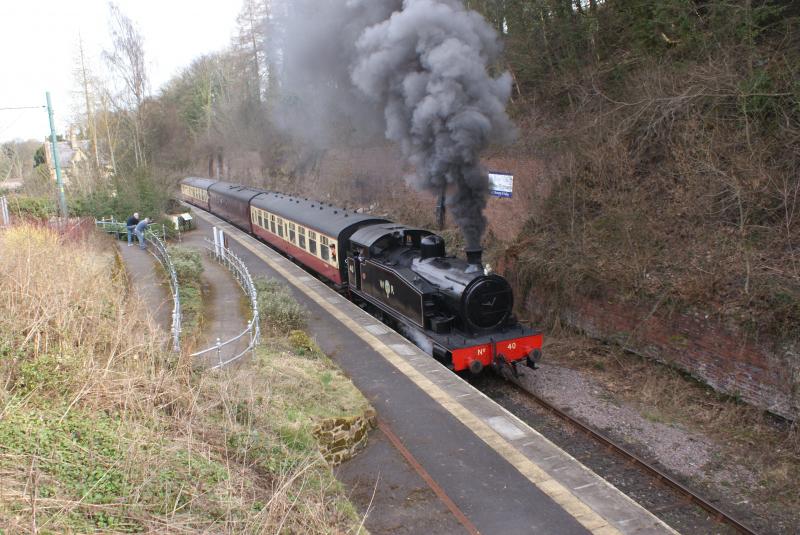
(474, 259)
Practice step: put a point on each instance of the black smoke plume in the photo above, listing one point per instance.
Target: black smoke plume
(417, 69)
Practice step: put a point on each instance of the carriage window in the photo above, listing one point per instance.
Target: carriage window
(301, 231)
(292, 233)
(324, 250)
(312, 242)
(272, 224)
(262, 218)
(280, 227)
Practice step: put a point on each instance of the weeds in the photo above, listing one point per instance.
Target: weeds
(99, 433)
(277, 308)
(189, 268)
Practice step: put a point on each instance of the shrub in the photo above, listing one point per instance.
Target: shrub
(32, 207)
(189, 269)
(278, 309)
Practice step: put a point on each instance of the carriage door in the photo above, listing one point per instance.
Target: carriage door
(354, 271)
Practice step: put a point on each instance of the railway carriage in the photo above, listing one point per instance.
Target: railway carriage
(232, 202)
(313, 233)
(195, 191)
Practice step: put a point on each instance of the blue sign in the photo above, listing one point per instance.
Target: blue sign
(501, 185)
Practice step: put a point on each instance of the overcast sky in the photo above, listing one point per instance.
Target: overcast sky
(39, 40)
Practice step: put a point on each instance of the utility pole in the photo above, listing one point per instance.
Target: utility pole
(62, 200)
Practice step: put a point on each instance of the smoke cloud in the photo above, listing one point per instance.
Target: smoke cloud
(416, 69)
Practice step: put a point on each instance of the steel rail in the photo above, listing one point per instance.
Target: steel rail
(718, 514)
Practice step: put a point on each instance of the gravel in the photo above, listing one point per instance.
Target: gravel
(677, 449)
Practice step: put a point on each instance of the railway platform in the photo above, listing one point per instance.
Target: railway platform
(490, 471)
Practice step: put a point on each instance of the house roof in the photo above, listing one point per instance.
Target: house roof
(66, 154)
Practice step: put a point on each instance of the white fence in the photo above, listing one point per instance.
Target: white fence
(252, 334)
(159, 250)
(5, 219)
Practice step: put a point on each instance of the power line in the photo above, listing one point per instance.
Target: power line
(23, 108)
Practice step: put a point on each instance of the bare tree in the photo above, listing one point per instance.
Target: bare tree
(127, 59)
(84, 79)
(254, 24)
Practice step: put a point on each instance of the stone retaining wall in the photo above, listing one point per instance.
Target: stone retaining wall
(340, 439)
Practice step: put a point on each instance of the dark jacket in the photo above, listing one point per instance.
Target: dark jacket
(132, 222)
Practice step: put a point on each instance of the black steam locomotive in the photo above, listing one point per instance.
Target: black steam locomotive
(455, 309)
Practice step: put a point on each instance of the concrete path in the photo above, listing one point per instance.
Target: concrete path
(148, 281)
(223, 307)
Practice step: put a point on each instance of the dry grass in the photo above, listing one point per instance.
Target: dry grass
(102, 431)
(747, 436)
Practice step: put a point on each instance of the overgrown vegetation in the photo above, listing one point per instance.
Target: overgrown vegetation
(278, 309)
(669, 130)
(189, 269)
(100, 432)
(119, 197)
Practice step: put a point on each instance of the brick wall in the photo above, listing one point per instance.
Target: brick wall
(760, 372)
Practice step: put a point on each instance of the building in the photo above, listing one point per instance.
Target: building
(72, 156)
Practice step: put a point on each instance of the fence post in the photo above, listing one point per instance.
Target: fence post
(219, 352)
(252, 337)
(176, 337)
(4, 218)
(222, 244)
(216, 242)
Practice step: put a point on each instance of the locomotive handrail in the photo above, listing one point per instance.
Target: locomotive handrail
(159, 250)
(240, 272)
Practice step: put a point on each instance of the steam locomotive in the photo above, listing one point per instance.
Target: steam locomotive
(454, 309)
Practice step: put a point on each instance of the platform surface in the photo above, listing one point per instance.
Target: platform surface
(504, 476)
(143, 270)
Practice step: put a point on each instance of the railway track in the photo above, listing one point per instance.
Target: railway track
(687, 497)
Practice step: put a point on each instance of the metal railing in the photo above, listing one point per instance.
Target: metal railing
(120, 229)
(240, 272)
(159, 250)
(5, 218)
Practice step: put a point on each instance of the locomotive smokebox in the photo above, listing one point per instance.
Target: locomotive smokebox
(474, 259)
